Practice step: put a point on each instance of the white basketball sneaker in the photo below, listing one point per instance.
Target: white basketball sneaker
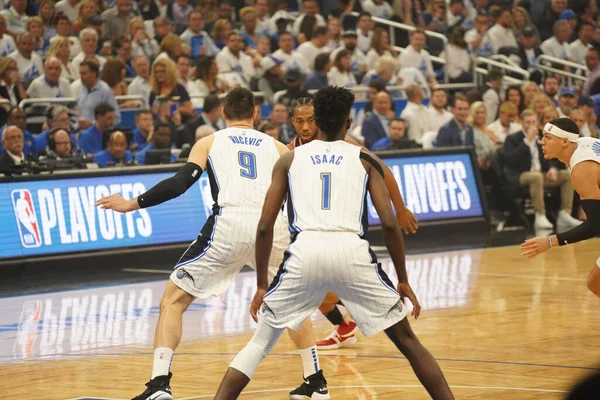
(541, 222)
(565, 221)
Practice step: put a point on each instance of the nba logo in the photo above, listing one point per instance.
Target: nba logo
(26, 218)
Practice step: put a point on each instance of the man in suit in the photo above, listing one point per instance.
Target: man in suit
(211, 115)
(13, 157)
(457, 132)
(376, 125)
(525, 166)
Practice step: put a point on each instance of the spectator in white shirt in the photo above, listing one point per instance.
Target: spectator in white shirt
(505, 124)
(183, 67)
(458, 59)
(63, 29)
(29, 63)
(415, 113)
(458, 15)
(378, 8)
(334, 34)
(141, 42)
(195, 24)
(475, 36)
(291, 58)
(89, 45)
(438, 115)
(579, 48)
(492, 96)
(567, 101)
(232, 59)
(359, 60)
(499, 36)
(60, 49)
(15, 17)
(140, 85)
(340, 74)
(309, 7)
(70, 8)
(51, 84)
(417, 57)
(7, 43)
(557, 45)
(364, 30)
(309, 50)
(578, 116)
(380, 46)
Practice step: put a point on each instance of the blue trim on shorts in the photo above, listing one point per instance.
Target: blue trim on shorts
(364, 222)
(280, 274)
(290, 208)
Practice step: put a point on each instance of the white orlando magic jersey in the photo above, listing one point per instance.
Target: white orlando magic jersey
(588, 149)
(239, 167)
(327, 188)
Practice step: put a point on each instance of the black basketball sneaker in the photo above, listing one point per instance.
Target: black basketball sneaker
(158, 389)
(313, 388)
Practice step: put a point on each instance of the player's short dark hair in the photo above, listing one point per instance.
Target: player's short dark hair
(239, 104)
(102, 109)
(95, 68)
(566, 124)
(321, 61)
(211, 102)
(332, 109)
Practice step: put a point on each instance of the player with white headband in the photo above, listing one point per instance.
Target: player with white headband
(582, 156)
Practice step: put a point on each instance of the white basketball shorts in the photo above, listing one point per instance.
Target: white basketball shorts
(225, 244)
(340, 262)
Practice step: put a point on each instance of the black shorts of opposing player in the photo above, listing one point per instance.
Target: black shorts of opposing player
(332, 111)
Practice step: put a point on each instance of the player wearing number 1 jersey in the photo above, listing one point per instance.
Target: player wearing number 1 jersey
(239, 162)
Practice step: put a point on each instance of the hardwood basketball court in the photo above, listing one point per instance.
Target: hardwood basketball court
(501, 327)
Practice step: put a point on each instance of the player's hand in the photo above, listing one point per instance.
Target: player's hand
(406, 291)
(407, 221)
(117, 203)
(552, 174)
(532, 247)
(256, 303)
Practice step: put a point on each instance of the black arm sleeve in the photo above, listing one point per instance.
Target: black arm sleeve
(368, 158)
(170, 188)
(588, 229)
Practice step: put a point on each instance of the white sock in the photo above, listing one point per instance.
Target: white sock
(310, 360)
(162, 361)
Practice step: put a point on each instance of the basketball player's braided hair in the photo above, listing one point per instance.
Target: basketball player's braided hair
(303, 102)
(332, 108)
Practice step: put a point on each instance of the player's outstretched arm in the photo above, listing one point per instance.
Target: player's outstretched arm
(167, 189)
(264, 233)
(391, 234)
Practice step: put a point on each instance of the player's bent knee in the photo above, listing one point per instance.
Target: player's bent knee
(175, 297)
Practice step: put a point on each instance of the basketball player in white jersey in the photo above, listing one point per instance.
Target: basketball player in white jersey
(303, 119)
(326, 186)
(239, 162)
(582, 157)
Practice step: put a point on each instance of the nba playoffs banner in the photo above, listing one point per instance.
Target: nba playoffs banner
(58, 216)
(435, 186)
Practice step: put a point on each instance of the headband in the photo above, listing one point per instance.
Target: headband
(561, 133)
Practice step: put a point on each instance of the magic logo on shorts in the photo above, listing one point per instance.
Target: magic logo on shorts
(27, 220)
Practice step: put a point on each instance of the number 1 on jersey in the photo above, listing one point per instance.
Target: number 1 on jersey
(248, 163)
(326, 191)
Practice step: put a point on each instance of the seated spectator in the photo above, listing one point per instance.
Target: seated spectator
(525, 166)
(7, 43)
(551, 85)
(234, 61)
(207, 80)
(113, 74)
(416, 56)
(15, 17)
(35, 27)
(341, 74)
(458, 60)
(271, 130)
(539, 103)
(474, 37)
(530, 90)
(318, 78)
(505, 124)
(211, 115)
(93, 93)
(116, 153)
(364, 30)
(291, 58)
(11, 88)
(29, 63)
(378, 8)
(69, 8)
(579, 117)
(50, 85)
(144, 128)
(515, 96)
(170, 47)
(47, 12)
(592, 61)
(160, 140)
(13, 158)
(17, 117)
(491, 97)
(457, 132)
(579, 48)
(115, 19)
(91, 139)
(63, 30)
(437, 113)
(416, 114)
(220, 32)
(397, 139)
(59, 145)
(546, 115)
(376, 124)
(385, 68)
(358, 62)
(87, 9)
(588, 105)
(316, 45)
(567, 101)
(140, 85)
(309, 7)
(89, 45)
(380, 47)
(178, 12)
(60, 49)
(162, 27)
(280, 117)
(122, 48)
(183, 69)
(500, 36)
(308, 26)
(141, 42)
(249, 20)
(294, 91)
(458, 15)
(485, 140)
(529, 50)
(272, 81)
(194, 30)
(522, 22)
(558, 46)
(169, 99)
(56, 117)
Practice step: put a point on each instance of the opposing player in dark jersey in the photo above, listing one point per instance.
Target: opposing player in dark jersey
(303, 119)
(328, 251)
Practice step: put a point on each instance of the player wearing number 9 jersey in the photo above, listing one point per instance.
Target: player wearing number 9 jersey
(239, 162)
